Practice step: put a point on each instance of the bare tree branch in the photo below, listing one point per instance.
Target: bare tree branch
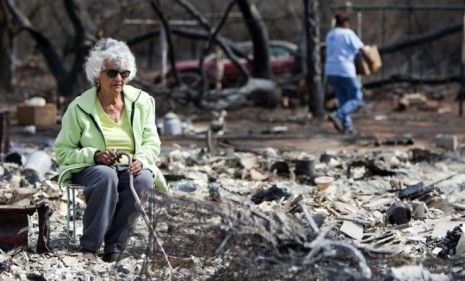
(143, 37)
(422, 38)
(219, 40)
(66, 80)
(7, 50)
(209, 44)
(188, 33)
(83, 36)
(166, 26)
(43, 44)
(259, 35)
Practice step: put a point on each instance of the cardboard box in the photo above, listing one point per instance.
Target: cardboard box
(40, 116)
(369, 62)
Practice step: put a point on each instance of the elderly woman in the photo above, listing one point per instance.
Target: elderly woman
(109, 117)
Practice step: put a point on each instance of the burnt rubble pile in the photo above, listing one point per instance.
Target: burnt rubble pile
(268, 214)
(381, 208)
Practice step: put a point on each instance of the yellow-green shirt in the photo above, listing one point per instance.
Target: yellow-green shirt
(119, 135)
(81, 135)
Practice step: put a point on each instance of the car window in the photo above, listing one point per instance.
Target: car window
(278, 52)
(247, 50)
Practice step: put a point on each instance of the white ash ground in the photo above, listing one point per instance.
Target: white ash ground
(362, 200)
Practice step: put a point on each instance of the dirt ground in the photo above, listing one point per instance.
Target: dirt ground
(378, 120)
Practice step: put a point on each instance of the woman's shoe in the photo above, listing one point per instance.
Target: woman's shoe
(87, 254)
(111, 257)
(349, 131)
(336, 122)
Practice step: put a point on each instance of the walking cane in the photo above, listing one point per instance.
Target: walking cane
(141, 208)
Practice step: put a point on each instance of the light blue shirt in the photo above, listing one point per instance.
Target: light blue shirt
(342, 44)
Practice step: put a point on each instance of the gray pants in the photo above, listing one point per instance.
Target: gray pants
(111, 212)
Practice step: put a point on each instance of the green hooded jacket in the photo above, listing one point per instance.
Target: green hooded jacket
(81, 134)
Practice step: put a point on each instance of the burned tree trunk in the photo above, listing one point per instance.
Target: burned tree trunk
(66, 79)
(171, 55)
(209, 44)
(313, 68)
(259, 35)
(84, 31)
(261, 61)
(7, 50)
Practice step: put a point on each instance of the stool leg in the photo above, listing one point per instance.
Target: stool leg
(68, 197)
(74, 217)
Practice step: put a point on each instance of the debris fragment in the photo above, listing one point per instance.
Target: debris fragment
(281, 168)
(397, 141)
(414, 273)
(323, 182)
(449, 243)
(36, 166)
(353, 230)
(411, 100)
(276, 130)
(442, 227)
(398, 213)
(460, 248)
(372, 167)
(270, 194)
(420, 210)
(327, 156)
(415, 191)
(186, 187)
(15, 157)
(419, 155)
(256, 175)
(14, 226)
(304, 167)
(448, 142)
(172, 125)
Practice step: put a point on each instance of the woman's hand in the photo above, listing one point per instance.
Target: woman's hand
(107, 157)
(135, 168)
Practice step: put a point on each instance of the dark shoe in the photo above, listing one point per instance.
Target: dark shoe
(336, 122)
(111, 257)
(88, 254)
(349, 131)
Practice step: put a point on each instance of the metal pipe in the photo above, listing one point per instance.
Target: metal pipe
(141, 208)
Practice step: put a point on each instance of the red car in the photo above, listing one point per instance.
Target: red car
(282, 61)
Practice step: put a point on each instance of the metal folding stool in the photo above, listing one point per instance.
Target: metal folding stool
(71, 197)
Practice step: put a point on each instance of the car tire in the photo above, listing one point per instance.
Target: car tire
(268, 99)
(191, 78)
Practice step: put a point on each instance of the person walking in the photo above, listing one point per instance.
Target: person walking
(342, 46)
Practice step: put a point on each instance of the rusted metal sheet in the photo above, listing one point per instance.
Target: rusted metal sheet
(14, 226)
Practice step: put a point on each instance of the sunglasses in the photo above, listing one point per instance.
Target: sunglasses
(111, 73)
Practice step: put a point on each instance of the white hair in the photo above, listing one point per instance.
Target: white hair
(109, 50)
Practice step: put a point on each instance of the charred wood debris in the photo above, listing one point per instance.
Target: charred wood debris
(257, 215)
